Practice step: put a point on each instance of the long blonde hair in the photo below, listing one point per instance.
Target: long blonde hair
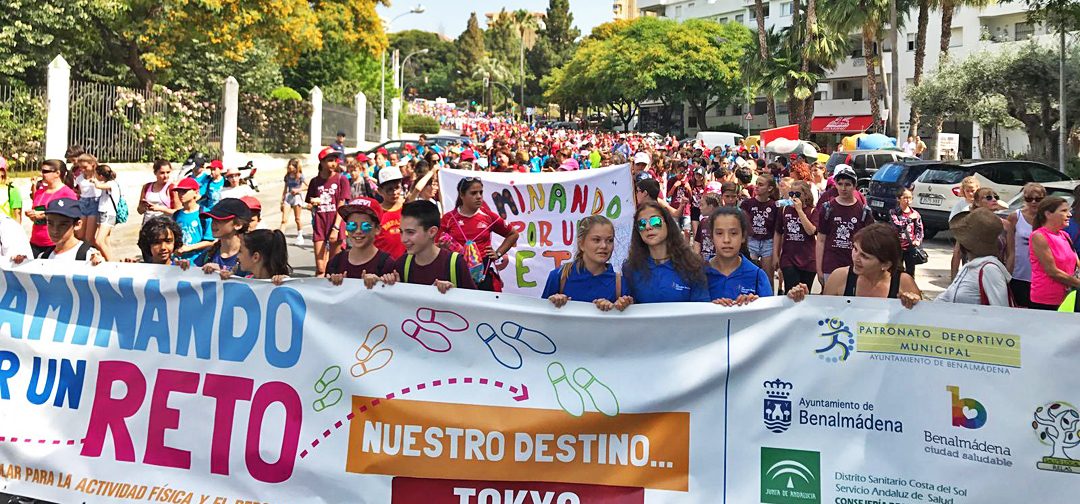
(294, 168)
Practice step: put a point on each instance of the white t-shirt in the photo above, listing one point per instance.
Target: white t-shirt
(108, 196)
(87, 189)
(70, 254)
(909, 148)
(965, 288)
(237, 192)
(13, 239)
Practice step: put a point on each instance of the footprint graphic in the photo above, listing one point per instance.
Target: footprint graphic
(503, 352)
(375, 362)
(535, 340)
(328, 376)
(375, 337)
(330, 399)
(432, 340)
(603, 399)
(569, 398)
(446, 319)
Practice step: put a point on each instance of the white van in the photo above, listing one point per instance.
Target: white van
(715, 138)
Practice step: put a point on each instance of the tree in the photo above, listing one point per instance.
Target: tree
(768, 74)
(32, 33)
(430, 74)
(555, 46)
(524, 22)
(470, 50)
(763, 52)
(923, 20)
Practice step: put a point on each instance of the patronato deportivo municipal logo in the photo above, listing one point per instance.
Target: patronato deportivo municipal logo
(966, 412)
(1058, 426)
(790, 476)
(777, 409)
(840, 341)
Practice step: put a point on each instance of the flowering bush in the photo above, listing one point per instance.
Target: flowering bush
(273, 125)
(170, 124)
(22, 130)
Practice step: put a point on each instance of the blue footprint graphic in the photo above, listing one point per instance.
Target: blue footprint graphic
(535, 340)
(504, 352)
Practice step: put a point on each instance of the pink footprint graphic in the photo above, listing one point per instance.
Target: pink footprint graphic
(446, 319)
(432, 340)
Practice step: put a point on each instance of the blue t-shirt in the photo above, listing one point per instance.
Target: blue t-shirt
(746, 279)
(664, 285)
(581, 285)
(1073, 229)
(194, 231)
(209, 191)
(226, 263)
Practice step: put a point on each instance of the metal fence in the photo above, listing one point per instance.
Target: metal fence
(371, 125)
(22, 126)
(337, 118)
(270, 125)
(94, 125)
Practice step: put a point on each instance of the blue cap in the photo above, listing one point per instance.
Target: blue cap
(67, 207)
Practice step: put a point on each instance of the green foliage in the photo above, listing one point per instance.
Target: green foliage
(22, 129)
(428, 74)
(419, 124)
(200, 69)
(554, 48)
(285, 93)
(33, 32)
(272, 125)
(340, 74)
(170, 124)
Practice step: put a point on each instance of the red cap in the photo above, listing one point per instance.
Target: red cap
(186, 183)
(327, 152)
(217, 164)
(361, 157)
(361, 205)
(468, 155)
(383, 151)
(252, 203)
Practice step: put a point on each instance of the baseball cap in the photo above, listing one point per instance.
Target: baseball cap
(361, 157)
(186, 183)
(389, 174)
(67, 207)
(361, 205)
(326, 152)
(252, 203)
(642, 158)
(228, 208)
(232, 170)
(641, 176)
(340, 133)
(468, 155)
(195, 159)
(845, 171)
(217, 164)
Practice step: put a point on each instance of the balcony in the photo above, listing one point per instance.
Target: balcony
(652, 7)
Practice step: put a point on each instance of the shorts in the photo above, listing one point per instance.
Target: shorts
(106, 218)
(89, 206)
(321, 224)
(294, 200)
(760, 248)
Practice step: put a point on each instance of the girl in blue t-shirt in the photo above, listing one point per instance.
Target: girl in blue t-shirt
(734, 280)
(589, 277)
(661, 266)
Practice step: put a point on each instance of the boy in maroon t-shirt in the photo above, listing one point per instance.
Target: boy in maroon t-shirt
(326, 192)
(425, 263)
(362, 260)
(837, 222)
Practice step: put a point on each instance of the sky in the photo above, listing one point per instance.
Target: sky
(448, 16)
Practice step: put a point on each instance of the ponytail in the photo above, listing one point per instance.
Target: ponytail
(272, 248)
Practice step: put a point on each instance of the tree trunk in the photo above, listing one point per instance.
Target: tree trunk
(894, 82)
(947, 7)
(806, 106)
(871, 78)
(920, 57)
(770, 103)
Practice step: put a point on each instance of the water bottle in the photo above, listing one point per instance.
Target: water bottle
(786, 202)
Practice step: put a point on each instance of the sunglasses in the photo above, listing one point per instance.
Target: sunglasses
(364, 227)
(991, 197)
(654, 222)
(1032, 199)
(49, 170)
(794, 194)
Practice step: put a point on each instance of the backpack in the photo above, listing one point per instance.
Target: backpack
(120, 205)
(80, 255)
(983, 299)
(453, 268)
(826, 210)
(474, 259)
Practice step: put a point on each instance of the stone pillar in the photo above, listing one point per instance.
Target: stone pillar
(316, 120)
(395, 117)
(361, 119)
(230, 103)
(57, 105)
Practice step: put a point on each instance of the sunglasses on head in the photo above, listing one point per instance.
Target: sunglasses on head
(654, 222)
(794, 194)
(364, 227)
(1033, 199)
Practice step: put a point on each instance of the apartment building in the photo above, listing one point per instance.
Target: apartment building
(843, 107)
(625, 9)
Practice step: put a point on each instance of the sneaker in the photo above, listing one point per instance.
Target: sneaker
(299, 240)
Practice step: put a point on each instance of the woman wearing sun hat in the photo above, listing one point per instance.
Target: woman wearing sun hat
(984, 279)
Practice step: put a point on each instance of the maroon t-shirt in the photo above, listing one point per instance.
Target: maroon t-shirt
(380, 264)
(798, 247)
(839, 224)
(439, 269)
(329, 192)
(762, 217)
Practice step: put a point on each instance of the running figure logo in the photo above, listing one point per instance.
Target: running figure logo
(841, 341)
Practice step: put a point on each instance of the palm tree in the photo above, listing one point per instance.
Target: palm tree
(763, 51)
(767, 67)
(524, 21)
(817, 47)
(948, 8)
(920, 56)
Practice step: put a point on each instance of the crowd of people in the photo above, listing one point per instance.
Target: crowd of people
(726, 225)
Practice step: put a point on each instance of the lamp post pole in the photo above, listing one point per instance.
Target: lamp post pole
(419, 9)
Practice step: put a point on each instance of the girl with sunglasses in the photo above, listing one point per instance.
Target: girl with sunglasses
(661, 267)
(589, 277)
(796, 238)
(467, 229)
(53, 173)
(1018, 228)
(362, 260)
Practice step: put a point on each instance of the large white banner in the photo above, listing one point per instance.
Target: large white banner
(544, 208)
(138, 383)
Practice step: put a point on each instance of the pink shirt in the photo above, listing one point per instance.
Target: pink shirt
(1045, 290)
(39, 233)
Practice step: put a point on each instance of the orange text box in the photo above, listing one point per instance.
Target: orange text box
(457, 441)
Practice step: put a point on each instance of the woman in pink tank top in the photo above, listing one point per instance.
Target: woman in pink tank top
(1053, 260)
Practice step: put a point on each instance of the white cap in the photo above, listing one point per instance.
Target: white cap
(389, 174)
(642, 158)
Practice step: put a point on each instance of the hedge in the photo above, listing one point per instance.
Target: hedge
(419, 124)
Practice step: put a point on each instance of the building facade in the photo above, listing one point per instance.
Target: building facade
(841, 95)
(625, 9)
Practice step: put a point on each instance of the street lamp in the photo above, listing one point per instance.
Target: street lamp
(419, 9)
(401, 78)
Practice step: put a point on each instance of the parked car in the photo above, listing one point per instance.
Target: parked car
(937, 190)
(887, 182)
(865, 163)
(1059, 189)
(445, 141)
(712, 139)
(392, 146)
